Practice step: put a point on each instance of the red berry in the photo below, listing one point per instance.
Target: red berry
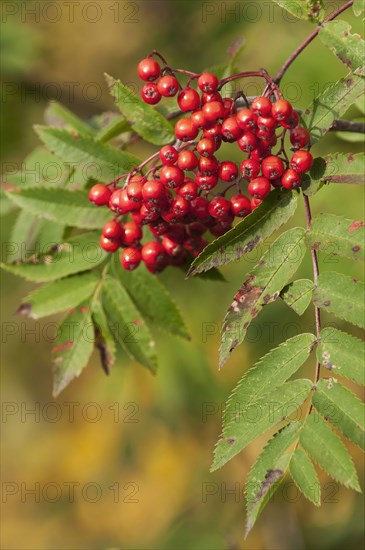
(272, 167)
(219, 208)
(171, 176)
(230, 129)
(214, 96)
(299, 137)
(228, 171)
(246, 120)
(189, 190)
(113, 230)
(206, 147)
(168, 86)
(134, 188)
(213, 110)
(229, 106)
(152, 252)
(148, 69)
(177, 232)
(187, 160)
(168, 155)
(185, 129)
(199, 207)
(100, 194)
(260, 153)
(240, 205)
(147, 215)
(281, 110)
(130, 258)
(188, 100)
(259, 187)
(206, 182)
(132, 233)
(220, 228)
(292, 121)
(121, 203)
(109, 245)
(137, 217)
(195, 245)
(153, 191)
(261, 106)
(291, 179)
(158, 227)
(199, 119)
(208, 82)
(171, 247)
(255, 202)
(267, 125)
(248, 142)
(208, 165)
(196, 229)
(180, 206)
(214, 132)
(301, 161)
(250, 168)
(150, 94)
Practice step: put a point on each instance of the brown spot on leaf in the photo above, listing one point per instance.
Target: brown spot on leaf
(84, 309)
(355, 226)
(350, 158)
(24, 309)
(231, 440)
(62, 347)
(137, 322)
(355, 248)
(327, 303)
(271, 477)
(105, 356)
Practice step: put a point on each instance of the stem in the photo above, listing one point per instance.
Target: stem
(262, 73)
(308, 40)
(317, 315)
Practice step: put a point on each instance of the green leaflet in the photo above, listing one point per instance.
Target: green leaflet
(273, 212)
(342, 296)
(59, 296)
(262, 286)
(336, 168)
(80, 253)
(305, 477)
(327, 449)
(267, 472)
(358, 7)
(153, 300)
(59, 116)
(342, 354)
(62, 205)
(104, 339)
(342, 408)
(310, 10)
(144, 119)
(255, 418)
(127, 324)
(298, 295)
(331, 105)
(116, 126)
(97, 160)
(349, 48)
(337, 235)
(73, 347)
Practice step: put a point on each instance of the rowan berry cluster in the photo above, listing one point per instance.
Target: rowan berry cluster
(188, 190)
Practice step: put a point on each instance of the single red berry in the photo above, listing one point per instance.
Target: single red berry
(206, 182)
(189, 190)
(214, 132)
(255, 202)
(199, 119)
(132, 233)
(168, 86)
(291, 179)
(261, 106)
(171, 176)
(248, 142)
(213, 110)
(187, 161)
(121, 203)
(180, 206)
(208, 82)
(177, 232)
(188, 99)
(199, 207)
(147, 215)
(185, 129)
(267, 125)
(229, 107)
(100, 194)
(113, 230)
(171, 247)
(195, 245)
(109, 245)
(196, 229)
(134, 188)
(240, 205)
(158, 227)
(272, 167)
(152, 252)
(228, 171)
(266, 141)
(250, 168)
(219, 208)
(148, 69)
(214, 96)
(292, 121)
(130, 258)
(220, 228)
(168, 155)
(259, 187)
(153, 191)
(230, 129)
(260, 153)
(299, 137)
(150, 94)
(301, 161)
(246, 120)
(137, 217)
(208, 165)
(206, 147)
(281, 110)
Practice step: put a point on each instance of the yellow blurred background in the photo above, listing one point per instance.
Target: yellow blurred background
(123, 461)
